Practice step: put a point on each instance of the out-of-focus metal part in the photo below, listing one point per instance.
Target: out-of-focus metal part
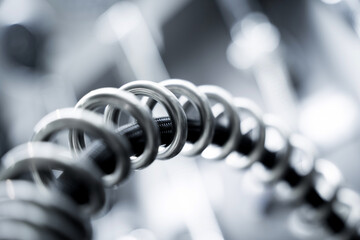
(318, 64)
(125, 38)
(124, 25)
(25, 28)
(241, 162)
(302, 158)
(232, 10)
(39, 157)
(157, 13)
(347, 207)
(256, 47)
(26, 99)
(279, 141)
(28, 212)
(354, 8)
(26, 87)
(225, 100)
(307, 221)
(350, 10)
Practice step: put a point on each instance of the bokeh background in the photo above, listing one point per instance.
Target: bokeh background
(297, 59)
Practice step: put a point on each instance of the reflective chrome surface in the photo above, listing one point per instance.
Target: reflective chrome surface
(226, 100)
(92, 123)
(126, 102)
(199, 99)
(172, 106)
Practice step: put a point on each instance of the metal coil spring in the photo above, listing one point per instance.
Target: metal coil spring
(246, 139)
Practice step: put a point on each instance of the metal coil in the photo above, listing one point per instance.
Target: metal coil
(89, 166)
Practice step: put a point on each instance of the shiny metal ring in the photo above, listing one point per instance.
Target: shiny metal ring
(350, 200)
(225, 99)
(331, 175)
(84, 120)
(273, 175)
(245, 105)
(38, 156)
(173, 107)
(116, 100)
(305, 169)
(327, 182)
(299, 143)
(199, 99)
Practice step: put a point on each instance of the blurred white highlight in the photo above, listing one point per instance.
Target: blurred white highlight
(252, 39)
(328, 117)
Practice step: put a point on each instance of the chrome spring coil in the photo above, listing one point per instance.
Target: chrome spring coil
(246, 141)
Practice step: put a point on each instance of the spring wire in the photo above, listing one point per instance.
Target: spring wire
(46, 205)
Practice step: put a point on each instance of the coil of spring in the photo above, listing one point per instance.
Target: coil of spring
(44, 206)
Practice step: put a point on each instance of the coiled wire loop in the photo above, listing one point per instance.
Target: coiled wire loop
(173, 107)
(227, 107)
(199, 99)
(122, 100)
(92, 123)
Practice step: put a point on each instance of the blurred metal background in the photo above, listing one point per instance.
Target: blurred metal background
(297, 59)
